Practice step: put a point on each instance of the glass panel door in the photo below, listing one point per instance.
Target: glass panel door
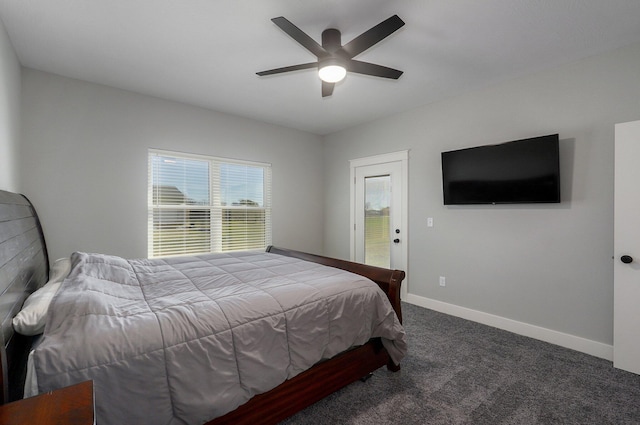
(378, 211)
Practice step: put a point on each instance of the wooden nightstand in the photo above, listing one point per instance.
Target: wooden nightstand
(69, 406)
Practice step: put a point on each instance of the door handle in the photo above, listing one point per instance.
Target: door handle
(396, 241)
(626, 259)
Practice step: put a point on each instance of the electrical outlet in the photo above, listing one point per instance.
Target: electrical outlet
(443, 281)
(429, 221)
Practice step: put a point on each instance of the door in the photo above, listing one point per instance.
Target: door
(626, 269)
(379, 236)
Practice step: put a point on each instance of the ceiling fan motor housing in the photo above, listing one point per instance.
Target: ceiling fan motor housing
(332, 43)
(331, 40)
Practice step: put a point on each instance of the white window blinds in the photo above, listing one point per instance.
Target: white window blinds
(203, 204)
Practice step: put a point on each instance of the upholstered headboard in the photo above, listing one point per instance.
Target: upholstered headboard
(24, 267)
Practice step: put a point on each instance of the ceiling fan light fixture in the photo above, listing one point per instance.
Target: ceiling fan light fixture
(332, 70)
(332, 73)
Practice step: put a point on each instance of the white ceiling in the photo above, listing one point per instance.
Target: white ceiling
(206, 52)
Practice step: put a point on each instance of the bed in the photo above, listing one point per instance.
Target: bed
(25, 269)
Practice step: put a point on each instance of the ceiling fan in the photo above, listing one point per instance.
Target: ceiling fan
(334, 59)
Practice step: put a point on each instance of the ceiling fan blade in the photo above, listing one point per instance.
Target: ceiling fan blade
(372, 69)
(300, 36)
(327, 88)
(288, 68)
(373, 36)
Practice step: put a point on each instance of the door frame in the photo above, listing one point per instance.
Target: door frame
(403, 158)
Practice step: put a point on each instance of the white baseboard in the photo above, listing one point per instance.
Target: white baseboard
(573, 342)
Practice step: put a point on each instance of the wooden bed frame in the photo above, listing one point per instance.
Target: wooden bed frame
(24, 268)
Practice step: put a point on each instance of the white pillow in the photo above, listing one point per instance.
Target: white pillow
(31, 319)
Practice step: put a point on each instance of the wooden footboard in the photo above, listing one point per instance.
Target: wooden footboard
(388, 280)
(329, 376)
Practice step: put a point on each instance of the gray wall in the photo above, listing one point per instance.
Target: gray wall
(9, 113)
(84, 163)
(545, 265)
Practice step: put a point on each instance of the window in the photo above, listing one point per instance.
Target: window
(201, 204)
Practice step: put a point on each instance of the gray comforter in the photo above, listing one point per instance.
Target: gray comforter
(188, 339)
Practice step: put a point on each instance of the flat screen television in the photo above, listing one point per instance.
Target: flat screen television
(519, 172)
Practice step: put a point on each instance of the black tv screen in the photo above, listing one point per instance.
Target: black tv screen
(519, 172)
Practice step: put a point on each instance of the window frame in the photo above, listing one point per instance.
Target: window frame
(215, 207)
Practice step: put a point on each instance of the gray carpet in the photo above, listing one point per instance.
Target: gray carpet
(461, 372)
